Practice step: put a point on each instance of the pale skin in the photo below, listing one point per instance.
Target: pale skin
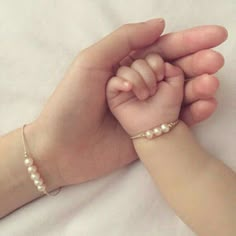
(199, 187)
(69, 145)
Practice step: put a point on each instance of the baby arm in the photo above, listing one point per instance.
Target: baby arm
(200, 188)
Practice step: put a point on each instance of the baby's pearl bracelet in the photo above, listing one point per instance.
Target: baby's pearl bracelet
(33, 171)
(156, 131)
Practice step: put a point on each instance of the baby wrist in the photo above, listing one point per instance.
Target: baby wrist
(156, 131)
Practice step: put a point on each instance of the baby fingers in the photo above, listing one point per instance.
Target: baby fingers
(142, 67)
(139, 86)
(156, 63)
(141, 77)
(117, 85)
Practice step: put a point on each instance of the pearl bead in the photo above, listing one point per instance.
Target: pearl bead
(28, 161)
(38, 182)
(35, 176)
(41, 188)
(149, 134)
(157, 131)
(32, 169)
(165, 128)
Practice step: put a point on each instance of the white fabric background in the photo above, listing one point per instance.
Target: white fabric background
(38, 40)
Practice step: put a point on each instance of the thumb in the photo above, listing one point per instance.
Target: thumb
(117, 45)
(174, 75)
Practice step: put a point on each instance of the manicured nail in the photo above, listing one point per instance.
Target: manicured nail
(160, 20)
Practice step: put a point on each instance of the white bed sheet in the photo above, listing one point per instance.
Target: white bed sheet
(38, 40)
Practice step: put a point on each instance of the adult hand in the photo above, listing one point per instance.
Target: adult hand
(77, 138)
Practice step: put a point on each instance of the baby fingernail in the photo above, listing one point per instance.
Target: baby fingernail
(126, 84)
(153, 91)
(160, 77)
(144, 95)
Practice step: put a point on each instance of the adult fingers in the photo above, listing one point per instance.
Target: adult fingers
(179, 44)
(201, 87)
(198, 111)
(111, 49)
(205, 61)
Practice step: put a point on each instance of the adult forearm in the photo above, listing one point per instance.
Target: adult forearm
(200, 188)
(16, 187)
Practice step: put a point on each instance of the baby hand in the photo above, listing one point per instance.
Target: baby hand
(146, 94)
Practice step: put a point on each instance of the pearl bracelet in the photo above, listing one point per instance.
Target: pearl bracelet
(33, 171)
(157, 131)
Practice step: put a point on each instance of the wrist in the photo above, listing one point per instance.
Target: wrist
(156, 131)
(166, 138)
(174, 160)
(45, 161)
(144, 124)
(17, 188)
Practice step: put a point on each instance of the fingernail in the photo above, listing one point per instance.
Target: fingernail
(159, 20)
(144, 95)
(153, 91)
(126, 84)
(160, 77)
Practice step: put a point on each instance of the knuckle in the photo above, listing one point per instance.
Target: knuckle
(198, 91)
(154, 56)
(154, 60)
(138, 63)
(114, 79)
(122, 70)
(179, 71)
